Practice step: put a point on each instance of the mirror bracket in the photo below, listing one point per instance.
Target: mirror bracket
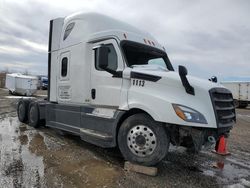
(183, 75)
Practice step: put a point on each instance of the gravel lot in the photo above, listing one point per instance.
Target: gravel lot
(45, 158)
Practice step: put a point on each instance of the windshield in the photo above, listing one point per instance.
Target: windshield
(139, 54)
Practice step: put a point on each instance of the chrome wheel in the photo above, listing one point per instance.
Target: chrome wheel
(141, 140)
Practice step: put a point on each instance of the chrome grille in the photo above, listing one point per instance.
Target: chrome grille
(223, 104)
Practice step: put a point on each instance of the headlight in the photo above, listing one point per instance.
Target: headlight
(189, 114)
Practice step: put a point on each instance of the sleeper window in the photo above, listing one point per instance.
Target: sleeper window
(112, 58)
(64, 68)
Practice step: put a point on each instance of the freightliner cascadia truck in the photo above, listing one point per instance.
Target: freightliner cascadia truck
(114, 86)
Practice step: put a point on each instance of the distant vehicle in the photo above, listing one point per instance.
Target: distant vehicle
(114, 85)
(19, 84)
(44, 83)
(240, 91)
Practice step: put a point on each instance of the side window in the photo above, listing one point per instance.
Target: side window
(112, 58)
(64, 67)
(68, 30)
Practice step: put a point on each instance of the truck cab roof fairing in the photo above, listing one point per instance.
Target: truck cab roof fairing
(85, 30)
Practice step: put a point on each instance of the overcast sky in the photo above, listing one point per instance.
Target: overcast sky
(208, 37)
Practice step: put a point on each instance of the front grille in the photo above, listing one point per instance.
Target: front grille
(223, 104)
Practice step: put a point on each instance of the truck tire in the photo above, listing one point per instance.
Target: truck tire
(34, 115)
(236, 103)
(142, 140)
(22, 110)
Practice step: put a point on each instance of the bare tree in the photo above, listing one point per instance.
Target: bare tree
(6, 70)
(26, 72)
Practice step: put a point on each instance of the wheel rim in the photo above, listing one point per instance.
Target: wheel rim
(141, 140)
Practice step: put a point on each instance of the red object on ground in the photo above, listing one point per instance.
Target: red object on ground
(221, 146)
(219, 164)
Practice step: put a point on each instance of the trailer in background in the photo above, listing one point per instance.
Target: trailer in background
(240, 91)
(20, 84)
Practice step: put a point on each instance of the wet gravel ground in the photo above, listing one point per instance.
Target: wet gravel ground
(46, 158)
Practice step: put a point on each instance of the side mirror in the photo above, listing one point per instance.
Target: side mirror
(213, 79)
(183, 70)
(102, 57)
(103, 61)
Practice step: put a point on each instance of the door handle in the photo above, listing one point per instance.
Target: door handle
(93, 93)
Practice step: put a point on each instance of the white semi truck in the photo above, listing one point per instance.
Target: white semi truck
(240, 91)
(113, 85)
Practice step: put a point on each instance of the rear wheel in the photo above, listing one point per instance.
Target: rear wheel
(22, 110)
(142, 140)
(34, 116)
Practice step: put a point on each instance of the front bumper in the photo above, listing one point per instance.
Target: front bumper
(195, 138)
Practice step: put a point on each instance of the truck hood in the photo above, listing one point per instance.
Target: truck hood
(172, 78)
(162, 88)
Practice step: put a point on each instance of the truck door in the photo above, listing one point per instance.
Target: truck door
(106, 89)
(243, 91)
(63, 83)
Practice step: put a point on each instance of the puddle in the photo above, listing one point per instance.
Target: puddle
(40, 158)
(228, 171)
(18, 97)
(41, 95)
(18, 166)
(232, 172)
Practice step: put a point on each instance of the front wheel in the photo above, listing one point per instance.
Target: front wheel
(142, 140)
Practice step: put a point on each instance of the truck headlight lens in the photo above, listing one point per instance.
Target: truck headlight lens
(189, 114)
